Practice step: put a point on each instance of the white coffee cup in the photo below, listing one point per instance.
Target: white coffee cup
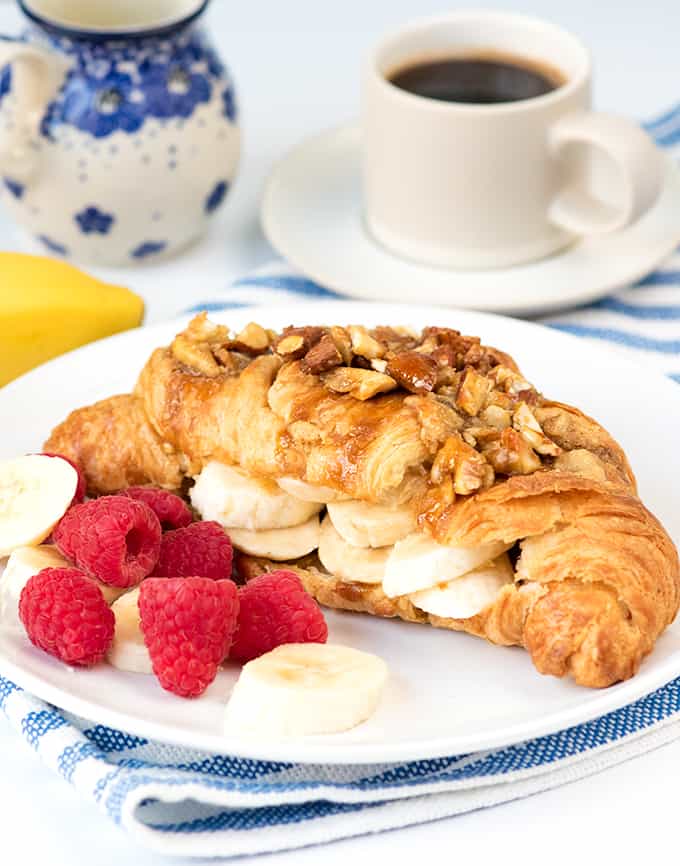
(491, 185)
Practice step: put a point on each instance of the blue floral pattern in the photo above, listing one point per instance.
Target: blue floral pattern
(148, 248)
(114, 87)
(16, 188)
(54, 247)
(216, 197)
(94, 221)
(5, 81)
(229, 103)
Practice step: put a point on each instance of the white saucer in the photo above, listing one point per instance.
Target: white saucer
(311, 213)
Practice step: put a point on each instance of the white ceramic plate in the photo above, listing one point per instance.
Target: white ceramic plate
(311, 213)
(448, 693)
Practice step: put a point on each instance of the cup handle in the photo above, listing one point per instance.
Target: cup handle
(37, 76)
(637, 160)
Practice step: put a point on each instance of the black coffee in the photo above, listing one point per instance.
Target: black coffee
(478, 80)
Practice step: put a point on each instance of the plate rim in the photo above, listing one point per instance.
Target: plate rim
(355, 752)
(521, 307)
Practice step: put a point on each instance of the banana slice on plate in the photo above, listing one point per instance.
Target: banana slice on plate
(418, 562)
(310, 492)
(128, 651)
(35, 493)
(21, 566)
(237, 500)
(358, 564)
(364, 524)
(278, 544)
(27, 561)
(303, 689)
(467, 595)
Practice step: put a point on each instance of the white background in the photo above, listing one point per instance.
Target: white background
(296, 65)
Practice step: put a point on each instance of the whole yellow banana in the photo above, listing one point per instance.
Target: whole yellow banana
(48, 307)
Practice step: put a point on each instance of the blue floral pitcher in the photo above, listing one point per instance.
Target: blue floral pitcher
(118, 129)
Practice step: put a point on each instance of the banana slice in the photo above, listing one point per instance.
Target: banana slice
(418, 562)
(23, 564)
(234, 499)
(358, 564)
(35, 492)
(128, 651)
(278, 544)
(364, 524)
(310, 492)
(467, 595)
(308, 688)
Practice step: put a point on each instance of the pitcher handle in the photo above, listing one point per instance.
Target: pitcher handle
(37, 75)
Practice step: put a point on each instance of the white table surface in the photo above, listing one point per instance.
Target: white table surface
(297, 68)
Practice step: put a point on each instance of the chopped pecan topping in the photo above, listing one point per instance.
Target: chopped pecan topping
(310, 334)
(358, 383)
(468, 467)
(291, 347)
(511, 454)
(417, 373)
(581, 462)
(472, 392)
(379, 364)
(364, 344)
(252, 340)
(394, 339)
(322, 357)
(496, 416)
(342, 340)
(196, 356)
(511, 382)
(524, 421)
(437, 420)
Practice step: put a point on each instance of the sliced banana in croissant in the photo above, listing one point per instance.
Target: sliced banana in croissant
(418, 562)
(234, 499)
(365, 524)
(343, 560)
(467, 595)
(278, 544)
(310, 492)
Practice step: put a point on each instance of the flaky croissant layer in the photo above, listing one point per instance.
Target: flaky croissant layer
(436, 421)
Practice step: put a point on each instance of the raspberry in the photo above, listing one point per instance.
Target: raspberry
(172, 511)
(202, 548)
(275, 609)
(188, 624)
(81, 487)
(114, 539)
(65, 615)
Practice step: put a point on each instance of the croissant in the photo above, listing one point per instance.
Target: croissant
(444, 433)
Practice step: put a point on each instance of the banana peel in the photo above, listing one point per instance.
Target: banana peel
(48, 307)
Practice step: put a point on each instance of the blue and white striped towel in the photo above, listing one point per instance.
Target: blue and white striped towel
(182, 802)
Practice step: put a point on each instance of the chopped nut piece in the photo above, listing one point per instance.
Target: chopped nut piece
(343, 342)
(195, 355)
(512, 454)
(379, 364)
(502, 400)
(524, 421)
(473, 391)
(469, 438)
(496, 416)
(469, 468)
(323, 356)
(394, 339)
(582, 462)
(437, 420)
(511, 382)
(358, 383)
(252, 340)
(364, 344)
(201, 330)
(417, 373)
(291, 347)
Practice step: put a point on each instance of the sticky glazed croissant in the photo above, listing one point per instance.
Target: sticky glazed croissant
(432, 454)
